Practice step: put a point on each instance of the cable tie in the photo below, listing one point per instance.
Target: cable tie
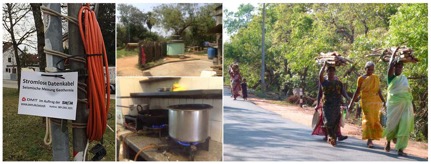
(56, 76)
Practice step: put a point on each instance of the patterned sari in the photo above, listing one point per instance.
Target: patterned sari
(236, 84)
(371, 105)
(331, 105)
(400, 116)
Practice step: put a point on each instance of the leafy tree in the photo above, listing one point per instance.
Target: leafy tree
(176, 17)
(297, 33)
(106, 19)
(15, 17)
(150, 20)
(236, 20)
(197, 33)
(133, 21)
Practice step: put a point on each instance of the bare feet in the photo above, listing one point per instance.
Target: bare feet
(401, 153)
(370, 144)
(388, 146)
(332, 141)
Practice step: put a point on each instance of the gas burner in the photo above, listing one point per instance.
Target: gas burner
(187, 148)
(159, 126)
(187, 143)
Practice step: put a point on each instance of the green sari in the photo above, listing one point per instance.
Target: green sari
(400, 116)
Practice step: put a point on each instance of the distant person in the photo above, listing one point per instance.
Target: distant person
(244, 88)
(332, 96)
(400, 116)
(368, 87)
(231, 78)
(236, 81)
(301, 101)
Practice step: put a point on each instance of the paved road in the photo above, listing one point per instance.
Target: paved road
(186, 68)
(10, 84)
(252, 133)
(13, 84)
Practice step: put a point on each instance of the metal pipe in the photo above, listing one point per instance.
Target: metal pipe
(54, 40)
(76, 48)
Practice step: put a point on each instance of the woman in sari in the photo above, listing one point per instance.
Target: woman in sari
(332, 94)
(236, 81)
(371, 103)
(400, 116)
(318, 130)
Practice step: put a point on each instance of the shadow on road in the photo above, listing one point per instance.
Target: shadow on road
(252, 133)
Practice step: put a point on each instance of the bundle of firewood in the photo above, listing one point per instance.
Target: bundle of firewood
(332, 58)
(403, 54)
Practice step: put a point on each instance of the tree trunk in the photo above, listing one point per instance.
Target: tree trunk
(303, 77)
(14, 43)
(40, 34)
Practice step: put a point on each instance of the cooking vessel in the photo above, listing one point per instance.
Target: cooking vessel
(189, 122)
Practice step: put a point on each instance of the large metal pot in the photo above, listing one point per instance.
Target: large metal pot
(189, 122)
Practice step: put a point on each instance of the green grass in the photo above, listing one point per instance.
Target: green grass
(124, 53)
(23, 135)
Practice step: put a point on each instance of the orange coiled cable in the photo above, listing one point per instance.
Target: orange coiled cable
(98, 97)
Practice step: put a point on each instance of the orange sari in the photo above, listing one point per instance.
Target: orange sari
(371, 105)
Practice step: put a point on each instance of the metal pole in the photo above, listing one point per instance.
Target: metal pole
(76, 48)
(262, 73)
(54, 41)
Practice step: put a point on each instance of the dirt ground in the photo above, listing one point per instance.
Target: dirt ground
(128, 66)
(192, 65)
(304, 116)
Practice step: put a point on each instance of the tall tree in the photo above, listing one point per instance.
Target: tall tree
(106, 19)
(131, 27)
(197, 33)
(150, 20)
(239, 19)
(133, 19)
(16, 24)
(176, 17)
(37, 16)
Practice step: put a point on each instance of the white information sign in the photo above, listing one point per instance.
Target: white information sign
(48, 94)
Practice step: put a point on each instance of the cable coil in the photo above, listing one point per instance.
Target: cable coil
(97, 96)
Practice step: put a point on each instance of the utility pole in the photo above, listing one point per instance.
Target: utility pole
(76, 48)
(54, 41)
(262, 73)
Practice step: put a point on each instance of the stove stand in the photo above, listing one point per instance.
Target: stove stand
(187, 148)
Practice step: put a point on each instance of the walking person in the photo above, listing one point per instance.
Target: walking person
(244, 89)
(400, 116)
(368, 87)
(231, 78)
(332, 94)
(318, 130)
(236, 81)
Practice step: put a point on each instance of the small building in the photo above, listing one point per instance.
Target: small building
(9, 62)
(10, 65)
